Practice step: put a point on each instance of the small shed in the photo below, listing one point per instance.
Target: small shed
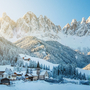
(5, 81)
(26, 58)
(28, 77)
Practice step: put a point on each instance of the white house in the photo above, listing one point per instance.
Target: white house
(43, 75)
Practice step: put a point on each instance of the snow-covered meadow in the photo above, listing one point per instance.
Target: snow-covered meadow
(42, 85)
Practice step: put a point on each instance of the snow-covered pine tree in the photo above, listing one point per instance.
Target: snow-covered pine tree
(38, 65)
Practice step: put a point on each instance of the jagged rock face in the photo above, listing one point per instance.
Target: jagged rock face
(87, 67)
(78, 28)
(30, 25)
(27, 26)
(88, 20)
(6, 26)
(52, 51)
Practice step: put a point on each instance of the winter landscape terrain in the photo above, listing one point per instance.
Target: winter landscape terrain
(36, 54)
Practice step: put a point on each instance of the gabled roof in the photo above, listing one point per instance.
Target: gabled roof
(43, 72)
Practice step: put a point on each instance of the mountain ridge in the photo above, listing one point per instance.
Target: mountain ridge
(74, 35)
(52, 51)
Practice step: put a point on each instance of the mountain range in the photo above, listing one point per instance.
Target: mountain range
(75, 35)
(40, 37)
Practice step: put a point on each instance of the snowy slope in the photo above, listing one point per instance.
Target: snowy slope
(87, 72)
(75, 42)
(41, 61)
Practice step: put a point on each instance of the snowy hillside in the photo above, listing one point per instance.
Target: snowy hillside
(76, 43)
(41, 61)
(9, 52)
(52, 51)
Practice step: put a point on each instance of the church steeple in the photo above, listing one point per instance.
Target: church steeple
(38, 69)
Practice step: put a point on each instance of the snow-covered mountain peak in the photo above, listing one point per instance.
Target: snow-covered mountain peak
(83, 20)
(78, 28)
(73, 21)
(67, 26)
(4, 14)
(88, 20)
(28, 25)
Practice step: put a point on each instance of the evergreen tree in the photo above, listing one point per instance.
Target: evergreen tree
(38, 66)
(48, 67)
(44, 67)
(80, 76)
(83, 76)
(41, 66)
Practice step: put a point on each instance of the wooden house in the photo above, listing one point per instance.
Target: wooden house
(5, 81)
(26, 76)
(29, 77)
(26, 59)
(9, 77)
(14, 76)
(19, 75)
(35, 75)
(1, 74)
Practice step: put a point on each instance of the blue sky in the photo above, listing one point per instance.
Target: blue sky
(59, 12)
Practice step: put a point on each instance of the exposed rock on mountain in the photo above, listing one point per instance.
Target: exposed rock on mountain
(52, 51)
(88, 20)
(87, 67)
(28, 25)
(78, 28)
(6, 26)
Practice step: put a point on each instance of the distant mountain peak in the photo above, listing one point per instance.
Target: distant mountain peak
(83, 20)
(78, 28)
(88, 20)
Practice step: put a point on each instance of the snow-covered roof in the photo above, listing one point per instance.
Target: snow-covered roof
(18, 72)
(29, 74)
(25, 56)
(5, 73)
(43, 72)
